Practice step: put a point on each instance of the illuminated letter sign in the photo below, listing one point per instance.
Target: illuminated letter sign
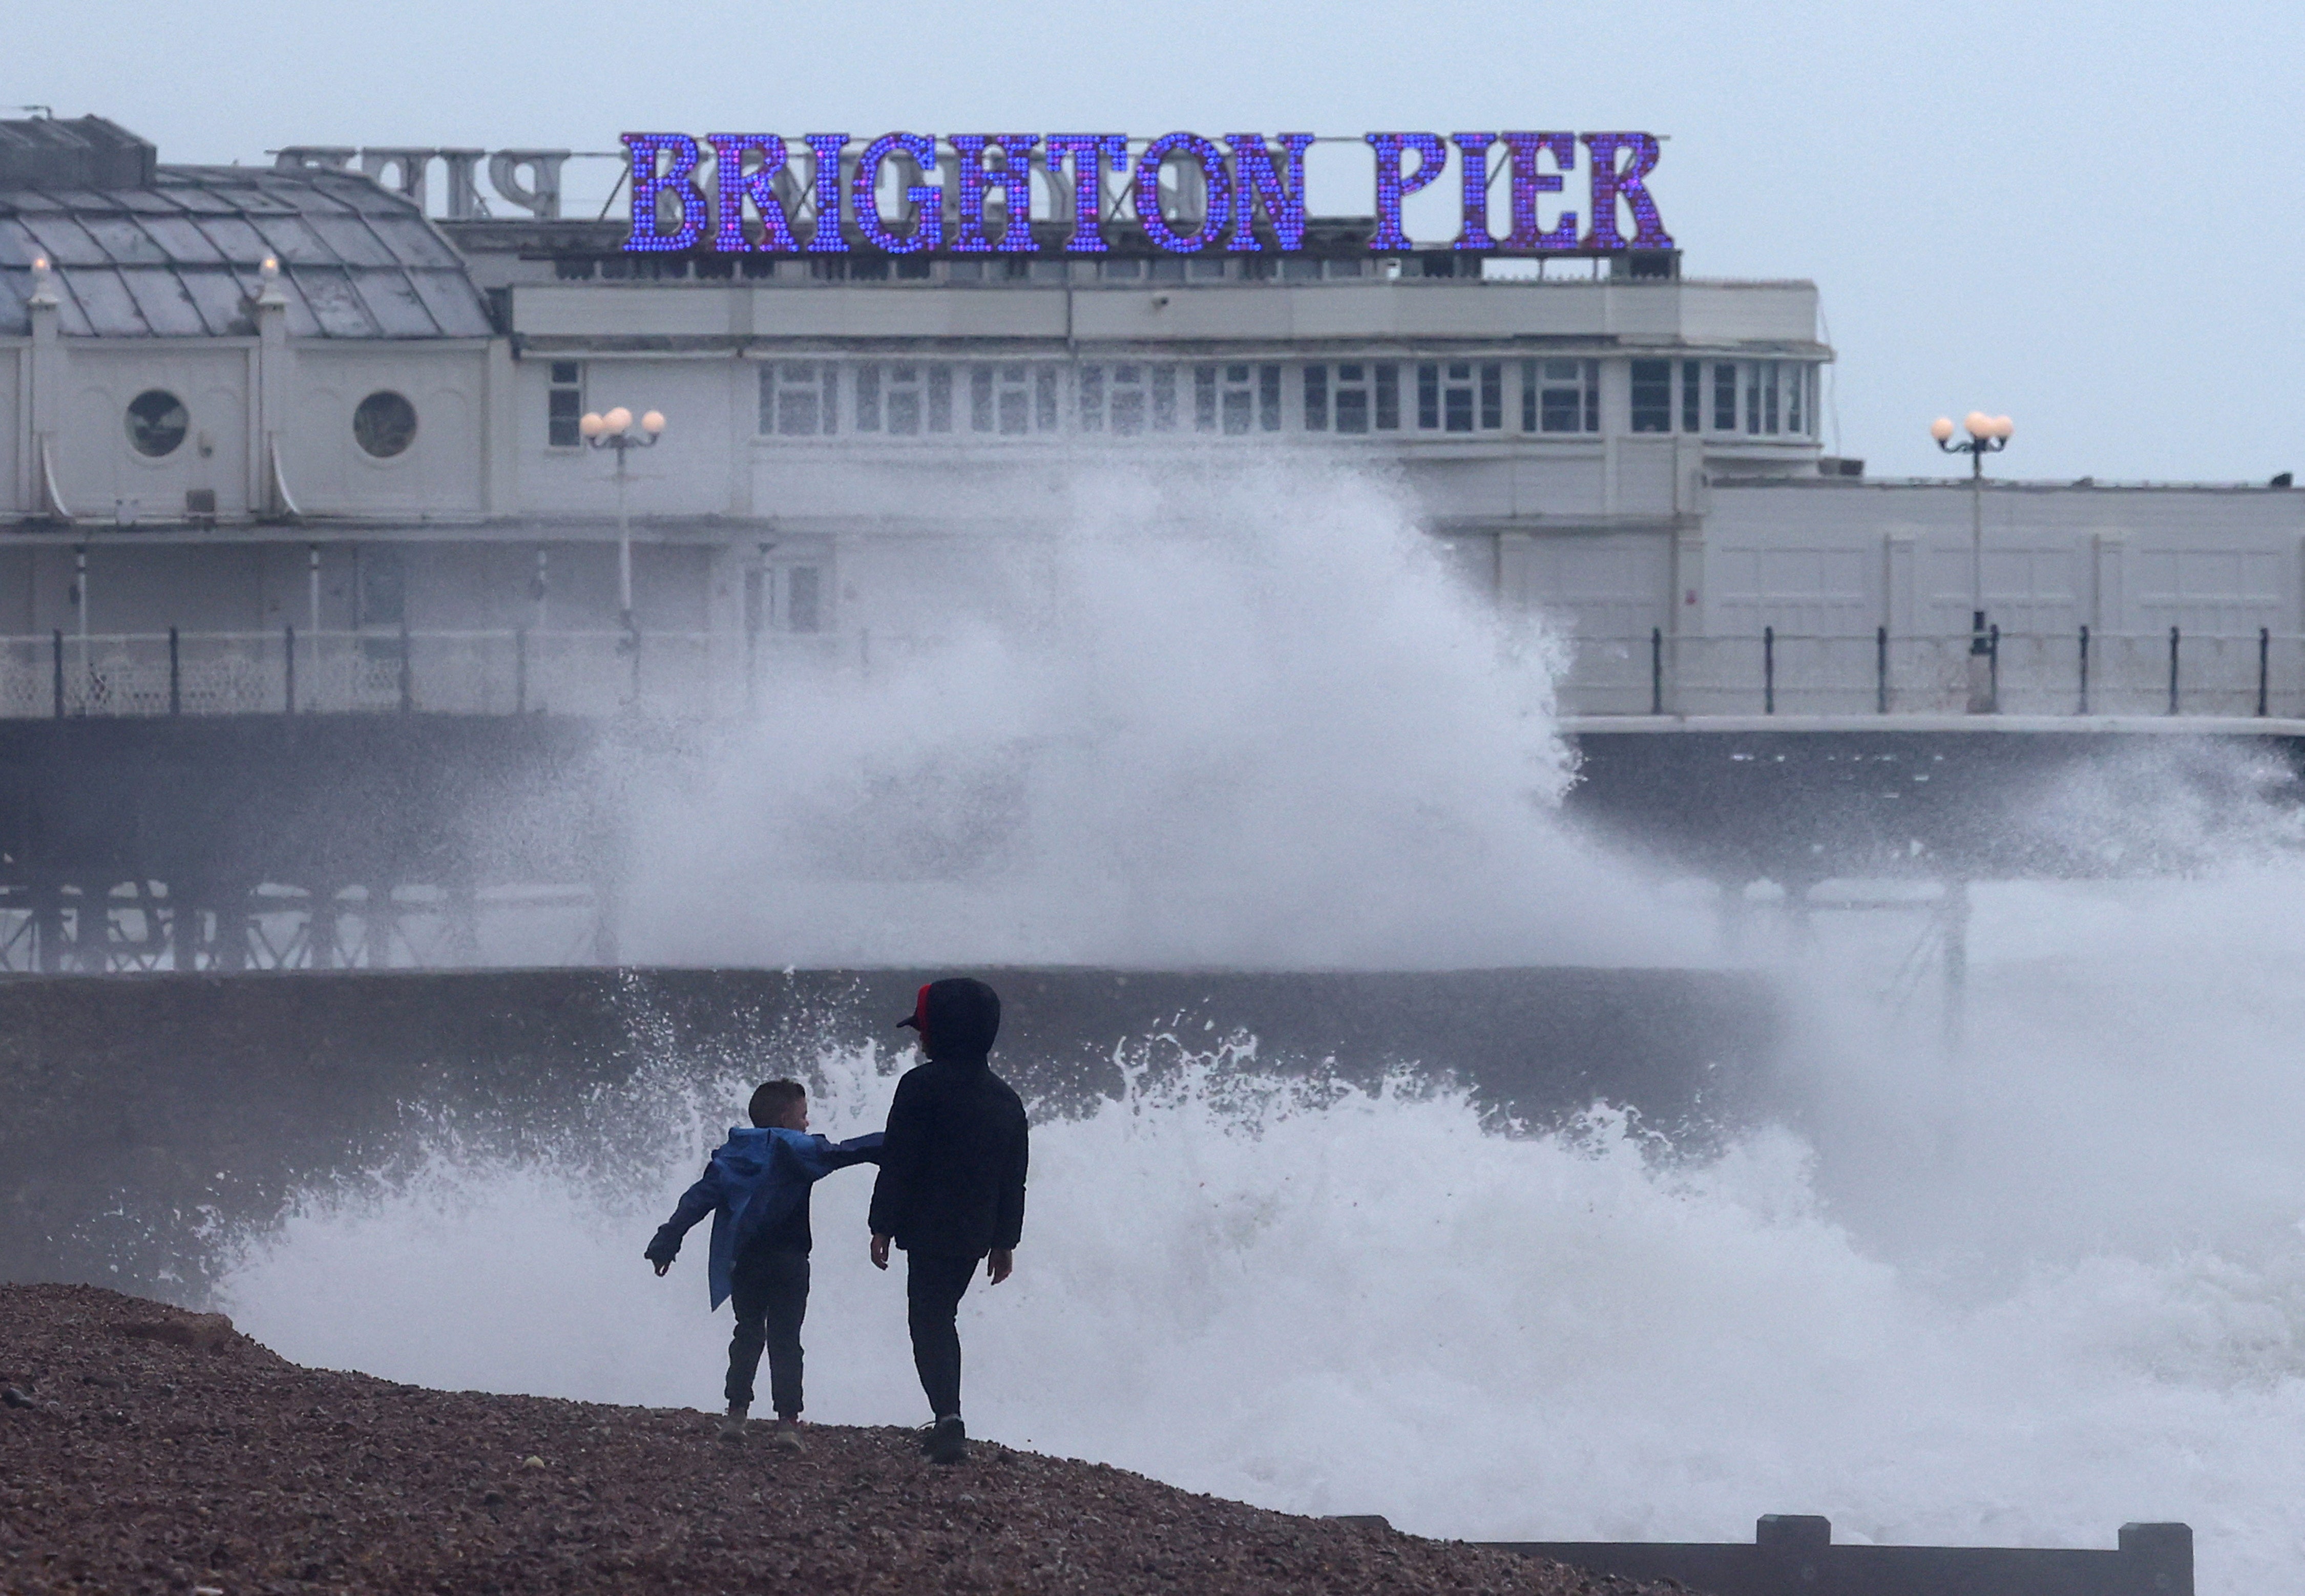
(733, 185)
(1013, 177)
(1610, 184)
(1392, 188)
(1528, 182)
(1254, 180)
(926, 198)
(1216, 188)
(672, 212)
(651, 180)
(828, 239)
(1092, 156)
(1472, 189)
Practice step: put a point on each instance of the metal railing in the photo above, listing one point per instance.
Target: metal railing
(594, 673)
(460, 673)
(2169, 671)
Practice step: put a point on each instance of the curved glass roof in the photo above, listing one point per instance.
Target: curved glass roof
(180, 258)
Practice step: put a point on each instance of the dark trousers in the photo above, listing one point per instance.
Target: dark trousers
(934, 1284)
(770, 1291)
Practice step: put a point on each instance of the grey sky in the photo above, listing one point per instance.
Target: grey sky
(2085, 216)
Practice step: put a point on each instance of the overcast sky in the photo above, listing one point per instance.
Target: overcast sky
(2085, 216)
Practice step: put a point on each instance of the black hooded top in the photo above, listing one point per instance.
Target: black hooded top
(952, 1169)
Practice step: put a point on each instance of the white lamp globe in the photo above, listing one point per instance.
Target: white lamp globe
(619, 420)
(2003, 428)
(652, 423)
(1978, 423)
(1941, 428)
(592, 425)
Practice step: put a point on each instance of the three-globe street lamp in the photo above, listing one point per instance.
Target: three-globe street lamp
(614, 430)
(1987, 434)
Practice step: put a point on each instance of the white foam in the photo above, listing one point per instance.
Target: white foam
(1351, 1302)
(1247, 720)
(2020, 1295)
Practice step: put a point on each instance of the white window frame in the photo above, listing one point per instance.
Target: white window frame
(554, 388)
(1248, 392)
(1546, 376)
(1128, 398)
(786, 382)
(903, 398)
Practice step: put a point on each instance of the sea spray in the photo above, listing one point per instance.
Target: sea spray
(1329, 1299)
(1247, 719)
(2017, 1290)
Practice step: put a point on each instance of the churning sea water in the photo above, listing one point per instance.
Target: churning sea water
(2015, 1293)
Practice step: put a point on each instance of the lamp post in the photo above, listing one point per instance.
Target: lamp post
(614, 430)
(1987, 434)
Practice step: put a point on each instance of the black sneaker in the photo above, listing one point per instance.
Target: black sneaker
(947, 1441)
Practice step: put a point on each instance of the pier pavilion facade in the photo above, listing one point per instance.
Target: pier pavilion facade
(239, 402)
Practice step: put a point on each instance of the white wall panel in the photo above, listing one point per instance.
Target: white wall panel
(439, 474)
(103, 477)
(1564, 480)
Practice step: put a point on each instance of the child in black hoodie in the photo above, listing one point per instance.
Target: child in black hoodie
(951, 1189)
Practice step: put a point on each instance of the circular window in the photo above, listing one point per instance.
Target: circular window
(156, 422)
(385, 424)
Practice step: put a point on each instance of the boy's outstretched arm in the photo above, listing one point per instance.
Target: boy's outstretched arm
(695, 1202)
(819, 1158)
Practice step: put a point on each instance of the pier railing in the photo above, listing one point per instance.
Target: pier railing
(459, 672)
(2168, 671)
(596, 673)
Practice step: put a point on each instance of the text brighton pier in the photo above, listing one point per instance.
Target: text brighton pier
(1237, 181)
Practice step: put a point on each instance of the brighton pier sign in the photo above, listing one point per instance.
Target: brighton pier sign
(1212, 201)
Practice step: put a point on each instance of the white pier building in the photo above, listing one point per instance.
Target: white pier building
(239, 402)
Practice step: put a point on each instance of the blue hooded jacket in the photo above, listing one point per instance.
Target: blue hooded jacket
(753, 1184)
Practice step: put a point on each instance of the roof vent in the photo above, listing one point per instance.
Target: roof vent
(87, 152)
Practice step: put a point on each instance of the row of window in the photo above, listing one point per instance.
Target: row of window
(1131, 398)
(384, 424)
(1759, 398)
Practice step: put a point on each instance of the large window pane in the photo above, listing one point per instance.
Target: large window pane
(1652, 394)
(1316, 398)
(939, 398)
(1089, 392)
(1566, 394)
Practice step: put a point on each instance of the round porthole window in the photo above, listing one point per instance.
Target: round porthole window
(385, 425)
(156, 422)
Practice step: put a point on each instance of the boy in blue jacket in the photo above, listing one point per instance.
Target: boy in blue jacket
(756, 1188)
